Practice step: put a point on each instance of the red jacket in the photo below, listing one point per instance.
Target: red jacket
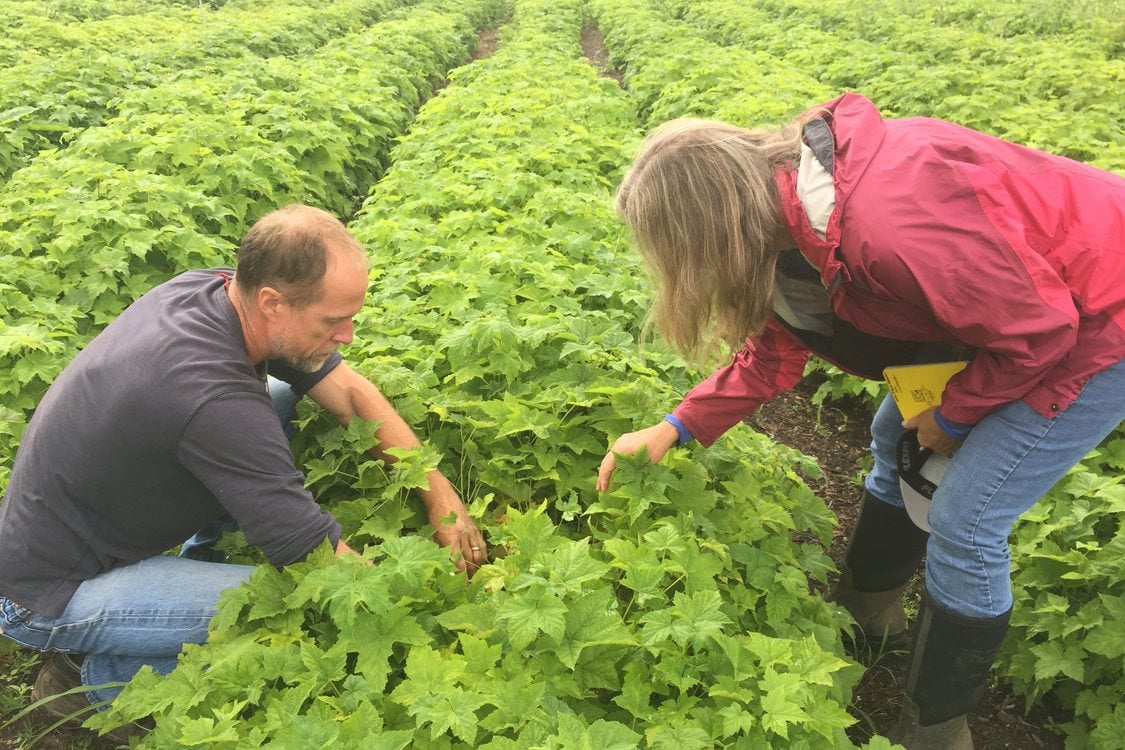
(943, 234)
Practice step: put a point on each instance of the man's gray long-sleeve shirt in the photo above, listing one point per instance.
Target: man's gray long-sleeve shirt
(158, 427)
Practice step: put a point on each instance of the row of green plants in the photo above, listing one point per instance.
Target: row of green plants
(1064, 648)
(1057, 93)
(48, 99)
(29, 33)
(672, 71)
(174, 181)
(81, 11)
(36, 28)
(671, 612)
(1097, 22)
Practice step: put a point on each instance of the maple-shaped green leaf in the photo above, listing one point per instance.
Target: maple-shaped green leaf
(573, 734)
(454, 712)
(781, 700)
(531, 530)
(592, 620)
(681, 670)
(1108, 639)
(305, 732)
(636, 691)
(147, 693)
(414, 559)
(270, 587)
(735, 720)
(362, 728)
(206, 732)
(1109, 729)
(726, 686)
(827, 717)
(610, 735)
(702, 612)
(480, 655)
(1098, 702)
(1113, 453)
(322, 667)
(343, 587)
(530, 612)
(814, 663)
(666, 539)
(664, 625)
(572, 565)
(243, 666)
(700, 568)
(470, 617)
(1057, 657)
(678, 734)
(428, 673)
(1085, 484)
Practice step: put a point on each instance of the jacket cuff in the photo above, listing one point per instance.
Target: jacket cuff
(684, 433)
(955, 430)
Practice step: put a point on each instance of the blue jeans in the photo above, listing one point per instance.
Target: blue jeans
(142, 613)
(129, 616)
(1008, 462)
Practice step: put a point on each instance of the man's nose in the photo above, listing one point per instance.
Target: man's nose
(344, 333)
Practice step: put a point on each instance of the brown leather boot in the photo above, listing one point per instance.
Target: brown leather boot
(879, 616)
(57, 678)
(884, 551)
(59, 683)
(951, 734)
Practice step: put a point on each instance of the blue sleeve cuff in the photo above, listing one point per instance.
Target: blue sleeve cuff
(955, 430)
(685, 434)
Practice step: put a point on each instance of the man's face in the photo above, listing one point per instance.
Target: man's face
(305, 337)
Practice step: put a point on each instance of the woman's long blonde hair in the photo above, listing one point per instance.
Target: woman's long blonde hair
(702, 201)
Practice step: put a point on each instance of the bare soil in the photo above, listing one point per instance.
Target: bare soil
(486, 44)
(594, 49)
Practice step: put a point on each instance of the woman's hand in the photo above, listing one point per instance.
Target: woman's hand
(930, 435)
(657, 439)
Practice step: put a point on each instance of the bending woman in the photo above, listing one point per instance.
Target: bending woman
(873, 242)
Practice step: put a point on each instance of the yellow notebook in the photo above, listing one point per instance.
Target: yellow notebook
(916, 388)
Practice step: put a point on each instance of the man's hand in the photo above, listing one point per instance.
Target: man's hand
(930, 435)
(347, 394)
(657, 439)
(462, 537)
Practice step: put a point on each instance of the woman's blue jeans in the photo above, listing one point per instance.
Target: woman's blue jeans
(137, 614)
(1007, 463)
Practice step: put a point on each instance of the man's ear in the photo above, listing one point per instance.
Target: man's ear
(270, 301)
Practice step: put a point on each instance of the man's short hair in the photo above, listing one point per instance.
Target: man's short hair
(288, 251)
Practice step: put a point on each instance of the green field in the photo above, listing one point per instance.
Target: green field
(141, 138)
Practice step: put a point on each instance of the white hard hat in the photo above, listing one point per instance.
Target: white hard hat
(919, 471)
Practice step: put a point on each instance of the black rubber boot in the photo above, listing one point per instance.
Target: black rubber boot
(949, 665)
(884, 552)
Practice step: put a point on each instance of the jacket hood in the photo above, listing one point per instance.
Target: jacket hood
(858, 131)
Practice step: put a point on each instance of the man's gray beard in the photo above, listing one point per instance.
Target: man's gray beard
(304, 364)
(308, 364)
